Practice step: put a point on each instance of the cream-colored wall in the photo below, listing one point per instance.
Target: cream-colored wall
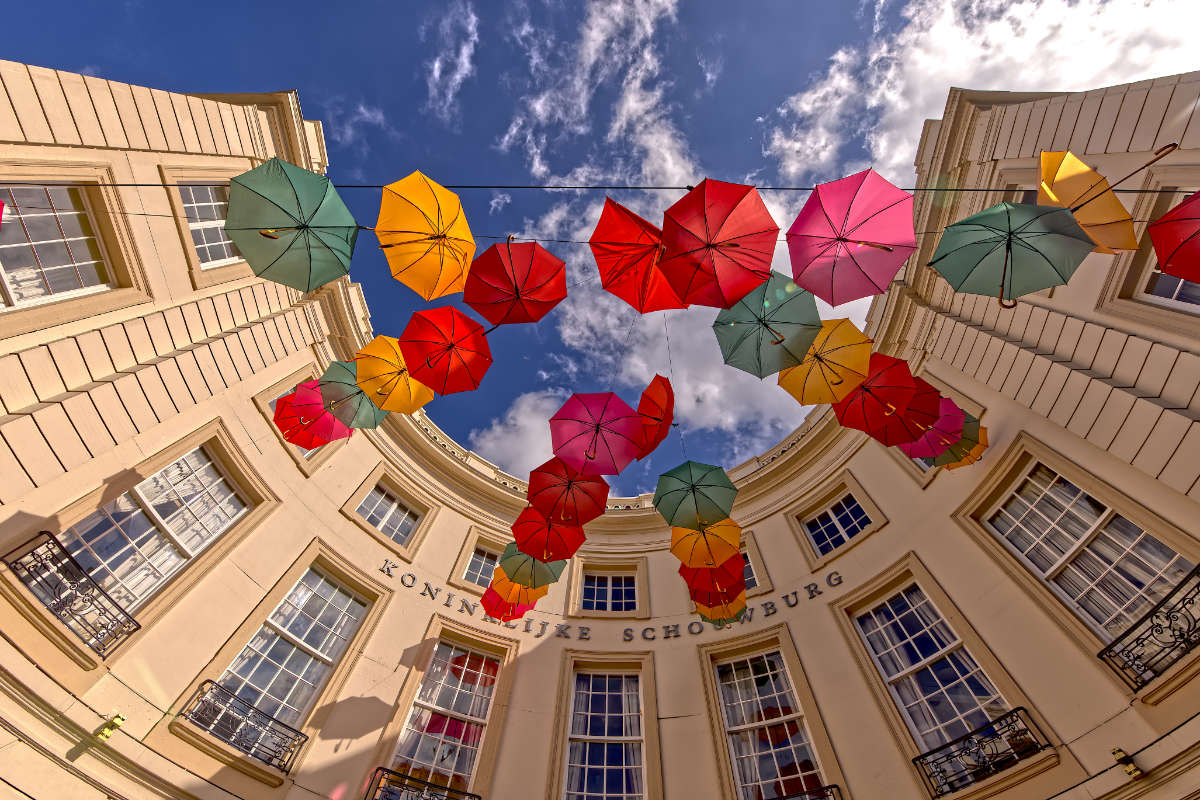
(87, 401)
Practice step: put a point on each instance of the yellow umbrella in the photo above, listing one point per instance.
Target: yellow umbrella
(514, 592)
(709, 546)
(384, 378)
(974, 454)
(1067, 182)
(724, 612)
(836, 362)
(425, 237)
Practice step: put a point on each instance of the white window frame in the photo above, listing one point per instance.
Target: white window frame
(748, 566)
(208, 223)
(495, 560)
(639, 740)
(608, 588)
(397, 502)
(828, 509)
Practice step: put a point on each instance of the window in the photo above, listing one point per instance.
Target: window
(604, 744)
(134, 543)
(480, 567)
(48, 246)
(748, 572)
(940, 689)
(287, 661)
(768, 744)
(1106, 568)
(305, 452)
(440, 741)
(609, 592)
(205, 207)
(836, 525)
(382, 509)
(1160, 287)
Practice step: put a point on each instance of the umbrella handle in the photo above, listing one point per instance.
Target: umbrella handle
(590, 452)
(273, 233)
(891, 410)
(1006, 303)
(876, 245)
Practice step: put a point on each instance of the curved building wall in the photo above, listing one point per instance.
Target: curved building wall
(168, 375)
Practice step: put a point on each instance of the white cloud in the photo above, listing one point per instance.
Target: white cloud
(875, 97)
(457, 36)
(711, 67)
(520, 440)
(346, 127)
(498, 202)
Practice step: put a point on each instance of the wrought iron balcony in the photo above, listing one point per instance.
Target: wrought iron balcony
(231, 719)
(388, 784)
(983, 752)
(65, 588)
(1159, 639)
(830, 792)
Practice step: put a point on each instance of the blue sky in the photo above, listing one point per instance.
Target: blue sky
(774, 92)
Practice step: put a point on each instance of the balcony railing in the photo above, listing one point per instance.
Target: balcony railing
(981, 753)
(388, 784)
(234, 721)
(830, 792)
(1159, 639)
(65, 588)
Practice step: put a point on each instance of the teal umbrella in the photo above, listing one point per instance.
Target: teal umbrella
(528, 571)
(1010, 250)
(694, 495)
(769, 329)
(290, 225)
(343, 398)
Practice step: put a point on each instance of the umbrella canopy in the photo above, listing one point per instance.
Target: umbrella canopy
(912, 423)
(1176, 238)
(851, 237)
(544, 538)
(770, 329)
(1067, 182)
(657, 410)
(565, 495)
(970, 437)
(975, 453)
(627, 249)
(515, 282)
(304, 421)
(709, 546)
(945, 431)
(718, 242)
(497, 607)
(724, 577)
(723, 613)
(528, 571)
(1010, 250)
(885, 392)
(596, 433)
(345, 400)
(446, 350)
(425, 237)
(693, 495)
(514, 592)
(290, 225)
(716, 597)
(834, 365)
(384, 377)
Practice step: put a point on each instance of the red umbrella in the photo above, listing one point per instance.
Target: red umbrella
(445, 349)
(1176, 237)
(596, 434)
(303, 419)
(627, 250)
(496, 606)
(719, 239)
(937, 438)
(851, 237)
(561, 493)
(657, 410)
(910, 424)
(474, 669)
(727, 577)
(546, 539)
(518, 282)
(719, 596)
(885, 392)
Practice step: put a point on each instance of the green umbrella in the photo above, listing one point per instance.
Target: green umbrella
(1010, 250)
(958, 450)
(528, 571)
(343, 398)
(290, 225)
(722, 622)
(769, 329)
(694, 495)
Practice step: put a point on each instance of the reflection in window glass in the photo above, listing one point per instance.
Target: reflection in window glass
(604, 744)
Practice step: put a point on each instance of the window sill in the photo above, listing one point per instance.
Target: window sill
(1002, 782)
(42, 316)
(46, 623)
(221, 272)
(230, 756)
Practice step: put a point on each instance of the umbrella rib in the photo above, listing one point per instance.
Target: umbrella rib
(269, 200)
(878, 212)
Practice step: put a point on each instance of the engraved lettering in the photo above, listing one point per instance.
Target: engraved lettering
(769, 608)
(695, 627)
(813, 590)
(648, 634)
(792, 599)
(584, 632)
(430, 591)
(463, 605)
(388, 566)
(408, 580)
(670, 631)
(562, 630)
(833, 579)
(627, 635)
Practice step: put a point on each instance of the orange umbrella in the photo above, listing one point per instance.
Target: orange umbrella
(384, 377)
(514, 592)
(424, 236)
(725, 612)
(836, 363)
(711, 545)
(1067, 182)
(974, 454)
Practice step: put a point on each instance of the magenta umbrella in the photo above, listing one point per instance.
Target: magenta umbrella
(939, 436)
(851, 237)
(596, 434)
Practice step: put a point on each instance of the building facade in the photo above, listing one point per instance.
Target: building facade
(190, 607)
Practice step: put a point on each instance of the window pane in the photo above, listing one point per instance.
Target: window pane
(480, 567)
(382, 509)
(205, 208)
(833, 527)
(604, 748)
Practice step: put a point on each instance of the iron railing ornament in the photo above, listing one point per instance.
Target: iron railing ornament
(981, 753)
(220, 712)
(1162, 637)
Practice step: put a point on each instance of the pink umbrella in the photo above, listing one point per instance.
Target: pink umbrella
(303, 419)
(596, 434)
(851, 237)
(938, 437)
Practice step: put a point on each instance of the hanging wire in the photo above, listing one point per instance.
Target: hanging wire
(671, 367)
